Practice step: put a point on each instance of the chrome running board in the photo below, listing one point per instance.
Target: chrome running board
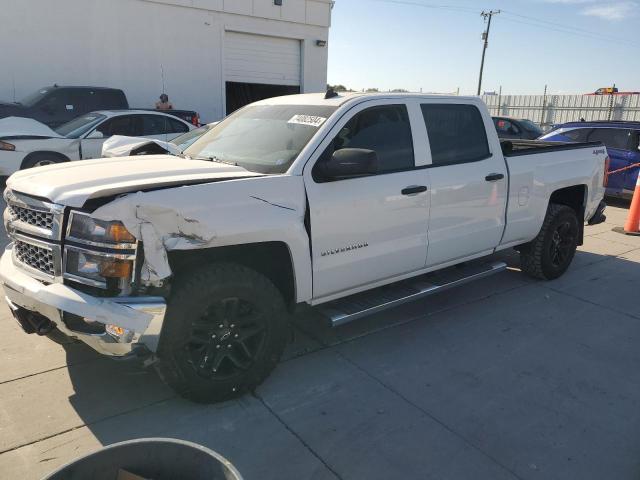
(367, 303)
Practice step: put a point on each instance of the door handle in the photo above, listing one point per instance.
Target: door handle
(492, 177)
(413, 189)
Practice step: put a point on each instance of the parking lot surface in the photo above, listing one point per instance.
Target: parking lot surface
(505, 378)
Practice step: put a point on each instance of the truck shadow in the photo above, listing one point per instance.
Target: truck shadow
(121, 400)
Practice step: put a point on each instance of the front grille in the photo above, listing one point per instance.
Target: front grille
(32, 217)
(40, 258)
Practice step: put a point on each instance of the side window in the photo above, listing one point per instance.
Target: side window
(57, 101)
(456, 133)
(611, 137)
(386, 130)
(124, 125)
(176, 126)
(577, 135)
(154, 125)
(505, 126)
(81, 101)
(107, 99)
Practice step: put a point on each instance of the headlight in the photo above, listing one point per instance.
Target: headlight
(86, 229)
(111, 264)
(7, 146)
(98, 267)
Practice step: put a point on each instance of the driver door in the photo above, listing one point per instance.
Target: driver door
(369, 229)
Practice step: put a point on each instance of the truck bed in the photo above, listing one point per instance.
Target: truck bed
(514, 148)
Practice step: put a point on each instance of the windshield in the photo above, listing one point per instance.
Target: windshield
(532, 127)
(186, 139)
(80, 125)
(262, 138)
(35, 97)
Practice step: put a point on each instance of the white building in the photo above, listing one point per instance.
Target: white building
(207, 55)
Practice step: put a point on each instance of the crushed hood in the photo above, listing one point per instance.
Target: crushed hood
(121, 146)
(27, 127)
(73, 183)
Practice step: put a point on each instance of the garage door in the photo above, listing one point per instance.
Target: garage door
(260, 59)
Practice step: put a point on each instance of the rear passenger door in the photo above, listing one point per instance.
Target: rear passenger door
(618, 143)
(468, 183)
(373, 228)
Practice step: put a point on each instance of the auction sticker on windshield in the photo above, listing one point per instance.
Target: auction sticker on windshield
(310, 120)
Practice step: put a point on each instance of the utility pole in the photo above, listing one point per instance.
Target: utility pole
(485, 37)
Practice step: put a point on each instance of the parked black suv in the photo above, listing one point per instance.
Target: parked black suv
(56, 105)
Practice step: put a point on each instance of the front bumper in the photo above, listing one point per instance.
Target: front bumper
(141, 317)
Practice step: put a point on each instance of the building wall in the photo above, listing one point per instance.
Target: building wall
(127, 44)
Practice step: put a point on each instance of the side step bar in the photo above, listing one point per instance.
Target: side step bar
(367, 303)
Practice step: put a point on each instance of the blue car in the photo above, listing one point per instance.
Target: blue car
(622, 140)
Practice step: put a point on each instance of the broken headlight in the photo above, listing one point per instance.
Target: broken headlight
(99, 253)
(86, 229)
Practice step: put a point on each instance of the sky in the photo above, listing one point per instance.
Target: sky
(573, 46)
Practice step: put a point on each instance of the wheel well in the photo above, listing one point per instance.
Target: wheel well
(56, 155)
(574, 197)
(271, 259)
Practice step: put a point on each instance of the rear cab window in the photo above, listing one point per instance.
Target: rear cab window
(456, 133)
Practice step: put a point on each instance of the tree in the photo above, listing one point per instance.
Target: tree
(338, 88)
(399, 90)
(372, 90)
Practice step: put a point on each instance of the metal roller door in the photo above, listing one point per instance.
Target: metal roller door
(261, 59)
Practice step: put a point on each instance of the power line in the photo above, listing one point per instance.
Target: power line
(540, 23)
(568, 27)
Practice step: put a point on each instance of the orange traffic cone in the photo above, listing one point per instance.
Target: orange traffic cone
(632, 226)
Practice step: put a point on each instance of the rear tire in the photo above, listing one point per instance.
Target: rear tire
(549, 255)
(225, 330)
(40, 160)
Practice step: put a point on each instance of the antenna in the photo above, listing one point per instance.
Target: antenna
(162, 77)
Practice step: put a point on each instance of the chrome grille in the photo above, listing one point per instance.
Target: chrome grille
(39, 258)
(31, 217)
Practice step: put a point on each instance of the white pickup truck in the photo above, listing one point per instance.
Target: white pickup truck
(342, 202)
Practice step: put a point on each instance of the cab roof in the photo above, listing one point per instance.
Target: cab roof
(341, 98)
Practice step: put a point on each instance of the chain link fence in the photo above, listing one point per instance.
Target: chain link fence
(548, 110)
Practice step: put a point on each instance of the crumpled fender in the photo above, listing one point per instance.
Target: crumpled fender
(233, 212)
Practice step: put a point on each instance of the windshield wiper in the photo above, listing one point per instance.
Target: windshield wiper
(217, 160)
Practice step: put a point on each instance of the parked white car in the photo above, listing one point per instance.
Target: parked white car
(121, 146)
(26, 143)
(197, 262)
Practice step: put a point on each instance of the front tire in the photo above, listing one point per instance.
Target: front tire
(225, 330)
(549, 255)
(40, 160)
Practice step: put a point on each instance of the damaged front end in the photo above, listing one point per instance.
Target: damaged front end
(68, 271)
(100, 273)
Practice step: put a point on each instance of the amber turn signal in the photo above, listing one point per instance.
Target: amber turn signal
(109, 269)
(118, 233)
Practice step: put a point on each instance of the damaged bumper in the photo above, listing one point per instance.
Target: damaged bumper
(117, 326)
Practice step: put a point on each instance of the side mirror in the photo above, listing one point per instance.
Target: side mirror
(348, 163)
(95, 134)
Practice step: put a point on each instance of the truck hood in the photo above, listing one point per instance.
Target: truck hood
(73, 183)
